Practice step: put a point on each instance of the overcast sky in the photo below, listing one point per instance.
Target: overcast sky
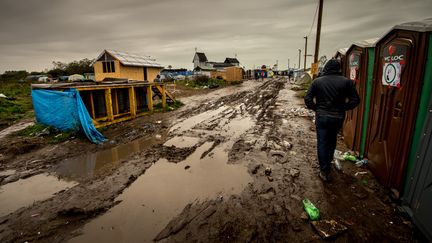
(33, 33)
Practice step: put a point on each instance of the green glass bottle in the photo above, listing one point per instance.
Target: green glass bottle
(311, 210)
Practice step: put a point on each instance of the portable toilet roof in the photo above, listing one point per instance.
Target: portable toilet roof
(424, 25)
(341, 52)
(366, 43)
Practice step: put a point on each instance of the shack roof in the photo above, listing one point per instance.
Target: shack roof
(201, 57)
(231, 60)
(129, 59)
(222, 64)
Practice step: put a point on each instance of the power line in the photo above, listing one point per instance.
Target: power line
(313, 22)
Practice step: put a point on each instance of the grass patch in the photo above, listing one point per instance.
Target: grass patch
(203, 82)
(170, 106)
(19, 106)
(51, 134)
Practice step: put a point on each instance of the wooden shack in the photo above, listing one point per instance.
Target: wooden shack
(110, 65)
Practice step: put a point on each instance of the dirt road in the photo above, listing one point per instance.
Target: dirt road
(232, 165)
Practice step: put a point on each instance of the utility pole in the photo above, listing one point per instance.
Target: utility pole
(288, 63)
(305, 54)
(318, 33)
(299, 57)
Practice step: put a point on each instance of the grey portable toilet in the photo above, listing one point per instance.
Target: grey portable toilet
(417, 198)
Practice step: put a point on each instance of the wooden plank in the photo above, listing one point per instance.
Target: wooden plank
(132, 101)
(163, 97)
(165, 92)
(150, 98)
(115, 102)
(102, 124)
(109, 105)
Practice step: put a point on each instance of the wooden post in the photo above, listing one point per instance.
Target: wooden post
(318, 34)
(109, 106)
(164, 105)
(93, 115)
(305, 54)
(115, 102)
(132, 101)
(150, 97)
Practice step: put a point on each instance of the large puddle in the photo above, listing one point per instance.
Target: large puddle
(166, 188)
(89, 165)
(24, 192)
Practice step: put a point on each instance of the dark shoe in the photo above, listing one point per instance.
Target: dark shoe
(325, 176)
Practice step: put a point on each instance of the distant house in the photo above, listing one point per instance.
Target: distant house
(232, 61)
(199, 60)
(121, 65)
(202, 64)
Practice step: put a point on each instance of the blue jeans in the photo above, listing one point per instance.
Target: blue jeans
(327, 129)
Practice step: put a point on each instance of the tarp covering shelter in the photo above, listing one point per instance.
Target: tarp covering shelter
(65, 111)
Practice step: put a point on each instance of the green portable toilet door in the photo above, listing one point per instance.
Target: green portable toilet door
(354, 61)
(396, 88)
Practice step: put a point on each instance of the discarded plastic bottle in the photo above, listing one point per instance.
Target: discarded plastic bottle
(337, 164)
(350, 158)
(311, 210)
(361, 162)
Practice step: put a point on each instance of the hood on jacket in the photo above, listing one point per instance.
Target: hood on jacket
(333, 66)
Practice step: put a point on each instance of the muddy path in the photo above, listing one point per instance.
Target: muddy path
(232, 165)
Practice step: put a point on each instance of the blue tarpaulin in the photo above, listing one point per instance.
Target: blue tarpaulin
(65, 111)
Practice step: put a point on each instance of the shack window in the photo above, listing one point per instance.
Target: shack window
(145, 73)
(108, 67)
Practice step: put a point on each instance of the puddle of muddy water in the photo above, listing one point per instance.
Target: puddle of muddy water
(24, 192)
(182, 142)
(162, 192)
(90, 164)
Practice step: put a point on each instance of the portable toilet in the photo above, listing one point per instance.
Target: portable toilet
(400, 92)
(417, 196)
(340, 55)
(359, 68)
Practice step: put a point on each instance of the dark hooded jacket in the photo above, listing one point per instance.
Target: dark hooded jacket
(334, 94)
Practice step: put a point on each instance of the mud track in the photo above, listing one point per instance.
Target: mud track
(260, 129)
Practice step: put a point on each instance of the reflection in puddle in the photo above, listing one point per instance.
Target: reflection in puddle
(182, 142)
(162, 192)
(90, 164)
(24, 192)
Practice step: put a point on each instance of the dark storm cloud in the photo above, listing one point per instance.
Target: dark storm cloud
(35, 33)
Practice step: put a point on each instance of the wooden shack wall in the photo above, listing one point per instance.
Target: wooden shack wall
(125, 72)
(234, 74)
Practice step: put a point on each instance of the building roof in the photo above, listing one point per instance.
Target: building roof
(129, 59)
(424, 25)
(222, 64)
(366, 43)
(201, 57)
(341, 52)
(198, 68)
(231, 60)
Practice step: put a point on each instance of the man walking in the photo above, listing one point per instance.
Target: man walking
(334, 94)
